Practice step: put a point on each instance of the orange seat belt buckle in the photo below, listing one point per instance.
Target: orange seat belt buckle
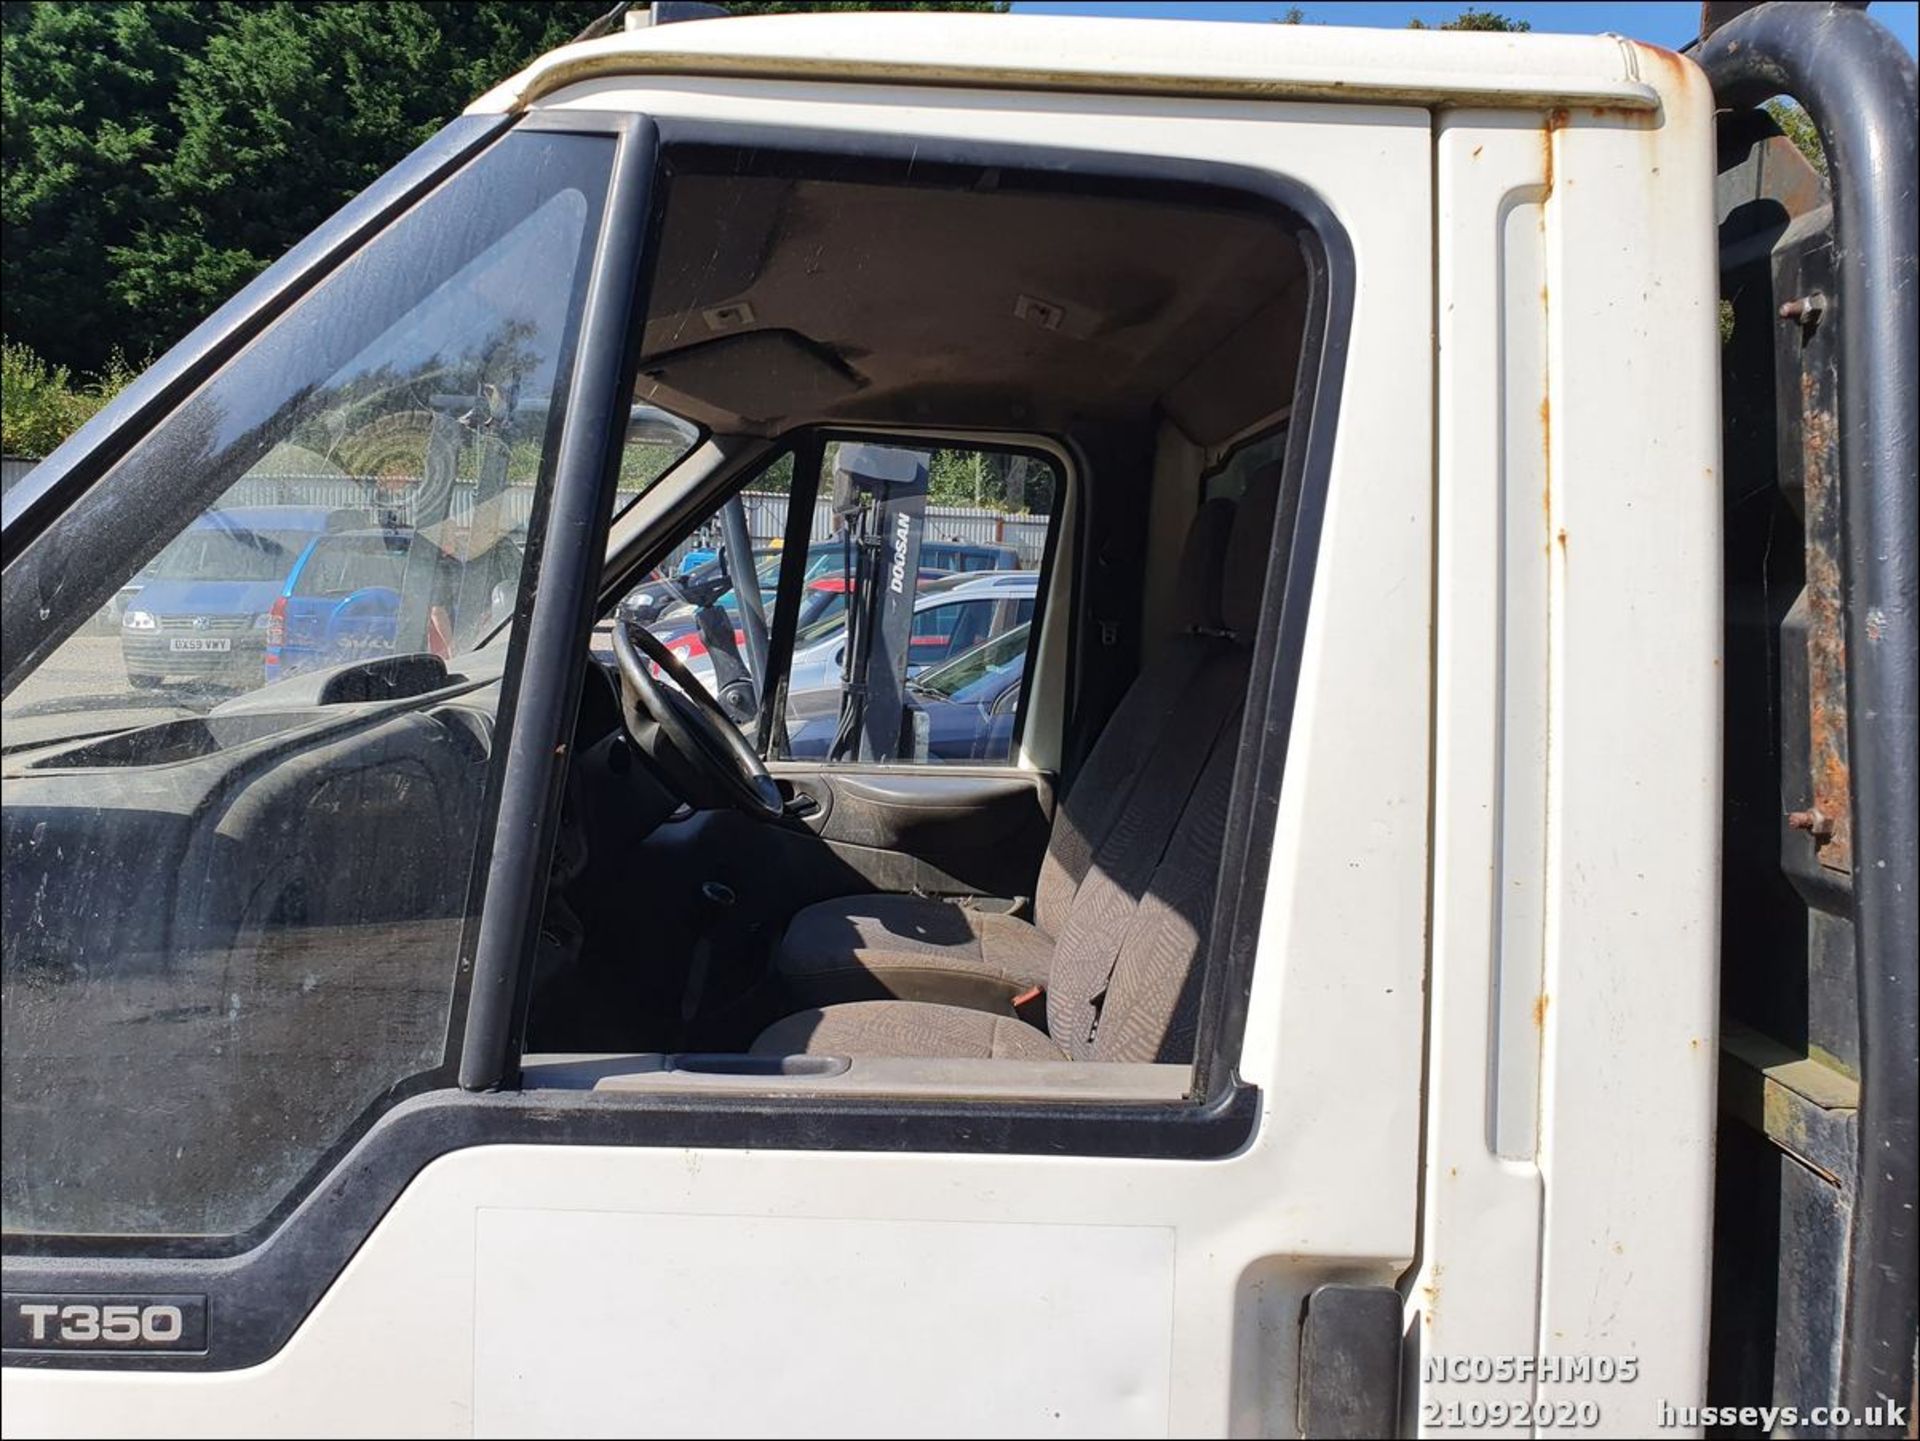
(1026, 999)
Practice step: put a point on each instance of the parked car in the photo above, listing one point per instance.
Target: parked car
(110, 614)
(342, 600)
(950, 617)
(951, 614)
(826, 598)
(660, 601)
(647, 601)
(829, 557)
(970, 704)
(823, 600)
(201, 610)
(968, 555)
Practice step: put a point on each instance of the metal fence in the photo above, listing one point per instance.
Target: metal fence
(766, 511)
(13, 468)
(1027, 534)
(347, 492)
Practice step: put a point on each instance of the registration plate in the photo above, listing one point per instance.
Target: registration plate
(199, 642)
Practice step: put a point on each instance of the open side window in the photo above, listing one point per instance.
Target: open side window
(865, 637)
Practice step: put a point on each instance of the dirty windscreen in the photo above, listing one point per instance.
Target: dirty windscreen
(396, 489)
(233, 901)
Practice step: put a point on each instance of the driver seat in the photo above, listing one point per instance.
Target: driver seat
(1126, 890)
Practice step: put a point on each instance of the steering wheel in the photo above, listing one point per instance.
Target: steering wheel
(703, 754)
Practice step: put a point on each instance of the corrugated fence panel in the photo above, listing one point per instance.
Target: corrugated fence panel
(766, 512)
(964, 524)
(13, 468)
(363, 493)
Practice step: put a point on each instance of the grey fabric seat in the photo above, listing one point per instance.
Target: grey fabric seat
(915, 1029)
(869, 947)
(1133, 890)
(893, 945)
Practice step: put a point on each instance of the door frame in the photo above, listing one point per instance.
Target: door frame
(262, 1296)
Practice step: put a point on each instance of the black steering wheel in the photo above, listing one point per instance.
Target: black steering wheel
(702, 753)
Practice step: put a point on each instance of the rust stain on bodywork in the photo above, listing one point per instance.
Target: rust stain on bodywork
(1546, 443)
(1831, 821)
(1556, 121)
(1431, 1292)
(1681, 72)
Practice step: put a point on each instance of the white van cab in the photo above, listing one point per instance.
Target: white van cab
(1461, 815)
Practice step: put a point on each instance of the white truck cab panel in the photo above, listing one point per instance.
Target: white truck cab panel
(1480, 1032)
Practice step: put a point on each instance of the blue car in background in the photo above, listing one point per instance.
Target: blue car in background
(203, 607)
(662, 608)
(968, 556)
(341, 601)
(969, 705)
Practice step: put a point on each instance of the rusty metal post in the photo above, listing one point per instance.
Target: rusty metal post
(1858, 85)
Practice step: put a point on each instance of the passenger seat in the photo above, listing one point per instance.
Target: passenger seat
(904, 947)
(1129, 879)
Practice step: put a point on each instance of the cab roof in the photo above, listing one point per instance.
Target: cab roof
(1064, 53)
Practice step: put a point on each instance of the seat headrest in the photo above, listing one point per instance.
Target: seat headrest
(1248, 552)
(1196, 586)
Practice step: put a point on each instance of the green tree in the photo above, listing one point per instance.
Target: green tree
(40, 405)
(1798, 127)
(791, 7)
(992, 479)
(85, 109)
(1473, 18)
(160, 153)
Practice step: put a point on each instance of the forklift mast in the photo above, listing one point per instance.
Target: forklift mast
(880, 504)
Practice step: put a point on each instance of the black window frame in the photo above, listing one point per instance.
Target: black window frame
(259, 1298)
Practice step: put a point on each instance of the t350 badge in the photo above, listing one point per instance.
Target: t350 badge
(98, 1323)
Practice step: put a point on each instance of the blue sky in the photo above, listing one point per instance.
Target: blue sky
(1668, 22)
